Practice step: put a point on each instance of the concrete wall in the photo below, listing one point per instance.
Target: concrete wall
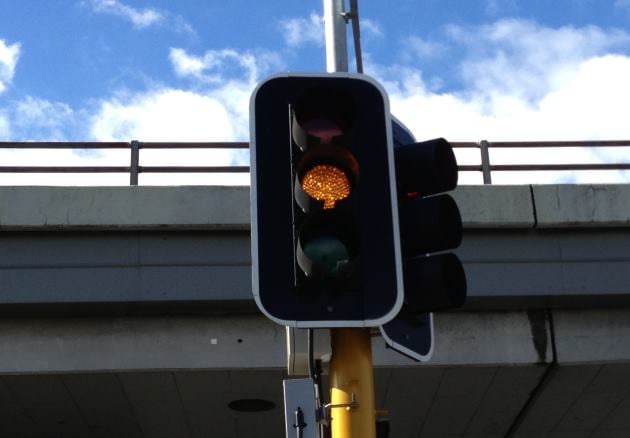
(216, 207)
(85, 250)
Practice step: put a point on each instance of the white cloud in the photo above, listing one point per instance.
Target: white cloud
(520, 57)
(39, 119)
(140, 18)
(177, 115)
(498, 7)
(36, 119)
(187, 65)
(180, 25)
(415, 46)
(300, 31)
(370, 28)
(220, 66)
(519, 81)
(522, 81)
(216, 108)
(163, 115)
(9, 55)
(589, 105)
(229, 76)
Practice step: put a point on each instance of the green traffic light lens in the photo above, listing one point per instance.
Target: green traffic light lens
(328, 252)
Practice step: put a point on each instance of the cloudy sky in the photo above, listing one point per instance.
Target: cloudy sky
(466, 70)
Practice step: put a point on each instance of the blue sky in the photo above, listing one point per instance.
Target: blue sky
(163, 70)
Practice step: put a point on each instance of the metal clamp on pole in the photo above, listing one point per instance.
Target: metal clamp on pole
(324, 414)
(352, 405)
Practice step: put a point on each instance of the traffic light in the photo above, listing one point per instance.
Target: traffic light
(430, 224)
(325, 241)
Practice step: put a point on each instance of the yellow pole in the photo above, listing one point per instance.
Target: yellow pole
(351, 373)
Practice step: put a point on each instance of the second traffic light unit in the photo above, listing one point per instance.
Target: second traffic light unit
(430, 224)
(325, 240)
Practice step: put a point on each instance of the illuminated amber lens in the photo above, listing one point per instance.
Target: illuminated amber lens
(326, 183)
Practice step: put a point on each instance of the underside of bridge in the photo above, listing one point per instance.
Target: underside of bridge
(127, 312)
(485, 401)
(494, 374)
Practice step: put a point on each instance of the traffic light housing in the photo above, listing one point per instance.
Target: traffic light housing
(325, 239)
(430, 224)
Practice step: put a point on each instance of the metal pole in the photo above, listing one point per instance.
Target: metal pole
(485, 161)
(135, 161)
(352, 380)
(351, 373)
(335, 32)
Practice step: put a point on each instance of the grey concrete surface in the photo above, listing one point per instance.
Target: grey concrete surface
(216, 207)
(586, 336)
(574, 205)
(154, 343)
(174, 377)
(192, 207)
(480, 339)
(460, 338)
(495, 206)
(148, 343)
(580, 401)
(426, 402)
(157, 343)
(126, 245)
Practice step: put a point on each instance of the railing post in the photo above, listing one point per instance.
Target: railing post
(485, 161)
(135, 160)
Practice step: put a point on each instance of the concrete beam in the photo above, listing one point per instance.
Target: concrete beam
(217, 207)
(495, 206)
(481, 338)
(182, 207)
(573, 205)
(157, 343)
(460, 338)
(592, 336)
(149, 343)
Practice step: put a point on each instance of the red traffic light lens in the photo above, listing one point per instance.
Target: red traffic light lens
(324, 129)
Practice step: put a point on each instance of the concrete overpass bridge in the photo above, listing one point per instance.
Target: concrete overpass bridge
(127, 312)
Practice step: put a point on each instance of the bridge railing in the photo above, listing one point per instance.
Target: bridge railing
(485, 167)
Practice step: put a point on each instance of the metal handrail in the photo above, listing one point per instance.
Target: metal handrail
(134, 168)
(486, 167)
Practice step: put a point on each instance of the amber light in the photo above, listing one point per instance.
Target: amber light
(327, 183)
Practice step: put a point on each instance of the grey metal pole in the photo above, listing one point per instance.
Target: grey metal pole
(135, 161)
(485, 161)
(335, 33)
